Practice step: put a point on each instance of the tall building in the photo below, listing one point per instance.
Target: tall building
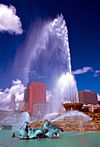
(88, 97)
(37, 98)
(12, 103)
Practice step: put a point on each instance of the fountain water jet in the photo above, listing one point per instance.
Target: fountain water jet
(49, 61)
(73, 114)
(17, 120)
(65, 88)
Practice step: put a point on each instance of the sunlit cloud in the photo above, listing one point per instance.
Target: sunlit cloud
(82, 70)
(96, 73)
(86, 69)
(17, 89)
(16, 82)
(9, 21)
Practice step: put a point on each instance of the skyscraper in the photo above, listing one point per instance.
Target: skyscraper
(88, 97)
(37, 98)
(12, 103)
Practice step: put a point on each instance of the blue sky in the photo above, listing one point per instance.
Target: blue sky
(83, 22)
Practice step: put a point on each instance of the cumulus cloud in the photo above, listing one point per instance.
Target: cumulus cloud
(9, 21)
(96, 73)
(83, 70)
(16, 82)
(17, 89)
(86, 69)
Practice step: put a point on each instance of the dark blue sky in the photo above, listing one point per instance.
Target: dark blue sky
(83, 22)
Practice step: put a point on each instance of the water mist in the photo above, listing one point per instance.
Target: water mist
(46, 58)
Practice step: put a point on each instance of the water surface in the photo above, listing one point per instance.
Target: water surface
(67, 139)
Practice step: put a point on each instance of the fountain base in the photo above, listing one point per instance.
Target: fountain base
(73, 106)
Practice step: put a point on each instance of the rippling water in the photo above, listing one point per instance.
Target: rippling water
(67, 139)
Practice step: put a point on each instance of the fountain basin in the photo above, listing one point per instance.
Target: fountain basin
(73, 106)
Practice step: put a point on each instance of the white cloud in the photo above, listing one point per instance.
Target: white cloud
(6, 90)
(9, 21)
(17, 89)
(96, 73)
(16, 82)
(86, 69)
(82, 70)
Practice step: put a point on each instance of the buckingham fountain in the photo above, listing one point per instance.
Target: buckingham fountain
(49, 56)
(52, 52)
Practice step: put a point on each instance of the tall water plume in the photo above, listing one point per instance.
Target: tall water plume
(46, 58)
